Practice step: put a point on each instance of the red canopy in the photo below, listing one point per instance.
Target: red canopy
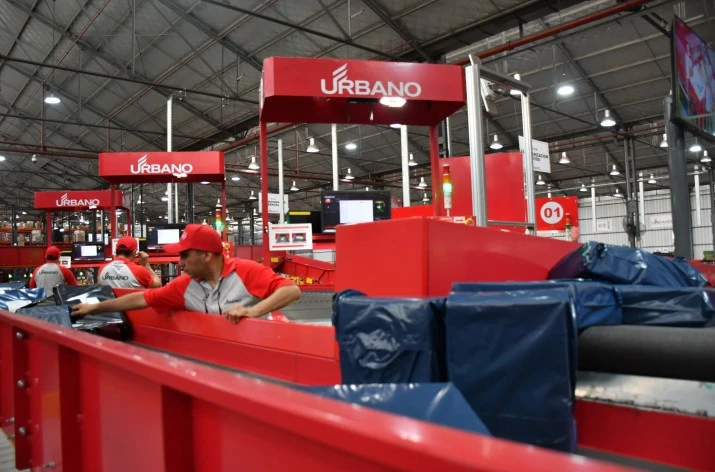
(161, 167)
(297, 90)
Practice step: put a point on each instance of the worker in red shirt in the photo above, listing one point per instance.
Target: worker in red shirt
(122, 272)
(211, 283)
(51, 273)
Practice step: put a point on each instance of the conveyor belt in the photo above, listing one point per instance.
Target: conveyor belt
(312, 308)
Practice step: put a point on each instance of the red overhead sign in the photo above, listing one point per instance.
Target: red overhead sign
(80, 199)
(552, 213)
(161, 167)
(348, 91)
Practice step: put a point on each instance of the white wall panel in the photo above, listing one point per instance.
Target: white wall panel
(654, 239)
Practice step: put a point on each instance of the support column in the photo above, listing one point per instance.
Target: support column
(679, 195)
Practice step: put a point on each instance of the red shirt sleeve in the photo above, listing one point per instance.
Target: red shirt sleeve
(142, 274)
(170, 296)
(260, 281)
(68, 275)
(32, 283)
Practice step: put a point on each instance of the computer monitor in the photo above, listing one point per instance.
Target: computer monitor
(343, 207)
(87, 252)
(158, 236)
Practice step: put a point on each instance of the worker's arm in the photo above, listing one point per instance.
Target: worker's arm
(131, 301)
(143, 260)
(282, 297)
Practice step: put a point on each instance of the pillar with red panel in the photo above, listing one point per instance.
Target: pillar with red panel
(308, 90)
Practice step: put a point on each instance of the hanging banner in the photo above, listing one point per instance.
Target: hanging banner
(662, 221)
(274, 203)
(539, 154)
(552, 213)
(291, 237)
(78, 200)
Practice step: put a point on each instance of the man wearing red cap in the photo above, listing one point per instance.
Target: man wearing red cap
(122, 272)
(211, 283)
(51, 273)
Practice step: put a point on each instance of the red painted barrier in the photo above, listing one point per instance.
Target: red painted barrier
(92, 404)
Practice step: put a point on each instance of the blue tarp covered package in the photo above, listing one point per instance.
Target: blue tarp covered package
(13, 299)
(660, 306)
(624, 265)
(57, 314)
(11, 285)
(439, 403)
(595, 303)
(512, 355)
(388, 340)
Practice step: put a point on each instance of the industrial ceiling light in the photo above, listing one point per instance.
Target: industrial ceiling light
(367, 189)
(583, 188)
(705, 159)
(396, 125)
(696, 146)
(540, 181)
(235, 178)
(349, 175)
(607, 121)
(351, 146)
(205, 182)
(664, 142)
(617, 193)
(393, 102)
(496, 145)
(52, 100)
(252, 196)
(412, 161)
(548, 194)
(422, 183)
(164, 199)
(34, 158)
(651, 180)
(564, 159)
(565, 90)
(614, 171)
(311, 146)
(294, 187)
(515, 91)
(2, 158)
(253, 165)
(424, 198)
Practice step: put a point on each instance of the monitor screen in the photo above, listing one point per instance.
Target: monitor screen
(344, 207)
(693, 79)
(87, 252)
(158, 236)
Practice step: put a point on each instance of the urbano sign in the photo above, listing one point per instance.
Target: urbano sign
(78, 199)
(342, 85)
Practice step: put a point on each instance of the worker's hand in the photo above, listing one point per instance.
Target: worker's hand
(142, 258)
(236, 312)
(83, 309)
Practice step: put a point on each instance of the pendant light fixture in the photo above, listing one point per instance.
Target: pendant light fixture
(312, 148)
(696, 146)
(351, 146)
(396, 125)
(564, 159)
(294, 187)
(540, 181)
(253, 165)
(565, 89)
(607, 121)
(651, 180)
(583, 188)
(515, 91)
(496, 145)
(422, 183)
(349, 175)
(393, 102)
(424, 198)
(252, 196)
(617, 193)
(705, 159)
(614, 171)
(664, 142)
(412, 161)
(235, 178)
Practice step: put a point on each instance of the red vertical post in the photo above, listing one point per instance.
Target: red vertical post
(112, 214)
(264, 191)
(48, 228)
(224, 231)
(437, 202)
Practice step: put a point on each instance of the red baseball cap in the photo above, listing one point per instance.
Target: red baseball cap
(199, 237)
(53, 252)
(126, 243)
